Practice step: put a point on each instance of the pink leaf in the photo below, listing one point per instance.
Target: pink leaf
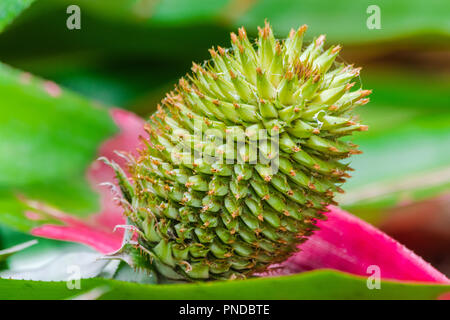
(101, 241)
(131, 127)
(345, 242)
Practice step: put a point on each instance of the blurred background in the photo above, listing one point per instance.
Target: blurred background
(128, 53)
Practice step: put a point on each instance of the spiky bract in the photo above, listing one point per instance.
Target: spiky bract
(201, 216)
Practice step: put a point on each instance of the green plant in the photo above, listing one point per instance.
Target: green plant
(50, 137)
(209, 209)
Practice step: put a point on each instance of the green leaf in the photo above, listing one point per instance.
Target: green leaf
(10, 9)
(406, 150)
(48, 138)
(322, 284)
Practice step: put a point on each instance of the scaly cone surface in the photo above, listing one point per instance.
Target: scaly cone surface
(242, 158)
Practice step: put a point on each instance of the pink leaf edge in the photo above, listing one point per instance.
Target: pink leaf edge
(344, 242)
(347, 243)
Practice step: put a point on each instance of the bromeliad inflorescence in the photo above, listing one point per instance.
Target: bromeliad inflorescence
(242, 158)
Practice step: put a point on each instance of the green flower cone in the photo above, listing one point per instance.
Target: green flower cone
(242, 158)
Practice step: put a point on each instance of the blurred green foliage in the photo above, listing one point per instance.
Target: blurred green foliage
(48, 139)
(10, 10)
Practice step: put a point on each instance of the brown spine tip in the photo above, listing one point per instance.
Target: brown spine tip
(264, 32)
(212, 52)
(363, 128)
(357, 71)
(221, 50)
(348, 86)
(278, 49)
(234, 37)
(213, 75)
(142, 139)
(364, 101)
(302, 29)
(332, 108)
(329, 193)
(336, 49)
(365, 93)
(333, 149)
(320, 40)
(316, 78)
(199, 94)
(242, 33)
(289, 75)
(291, 33)
(186, 264)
